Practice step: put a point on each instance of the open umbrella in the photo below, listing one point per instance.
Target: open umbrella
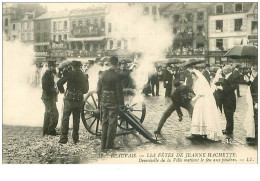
(173, 61)
(64, 64)
(242, 52)
(191, 62)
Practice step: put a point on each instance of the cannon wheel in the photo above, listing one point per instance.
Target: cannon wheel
(135, 106)
(90, 113)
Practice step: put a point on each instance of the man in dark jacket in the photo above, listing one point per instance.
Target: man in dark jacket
(229, 99)
(110, 93)
(125, 75)
(237, 74)
(167, 82)
(181, 97)
(77, 85)
(49, 98)
(154, 78)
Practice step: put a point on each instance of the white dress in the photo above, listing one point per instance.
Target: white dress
(205, 117)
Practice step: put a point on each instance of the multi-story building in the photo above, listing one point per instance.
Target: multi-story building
(27, 27)
(190, 28)
(15, 33)
(252, 25)
(9, 15)
(87, 32)
(42, 35)
(228, 27)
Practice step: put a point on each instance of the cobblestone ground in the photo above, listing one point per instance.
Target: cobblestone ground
(26, 145)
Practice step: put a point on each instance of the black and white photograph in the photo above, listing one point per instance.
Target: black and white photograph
(130, 82)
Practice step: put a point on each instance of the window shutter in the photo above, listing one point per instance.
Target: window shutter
(225, 44)
(232, 25)
(225, 26)
(212, 44)
(212, 27)
(244, 24)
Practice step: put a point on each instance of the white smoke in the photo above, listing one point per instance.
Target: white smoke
(148, 36)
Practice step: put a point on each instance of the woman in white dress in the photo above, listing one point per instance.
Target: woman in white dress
(206, 118)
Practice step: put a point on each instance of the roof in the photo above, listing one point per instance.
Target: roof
(53, 15)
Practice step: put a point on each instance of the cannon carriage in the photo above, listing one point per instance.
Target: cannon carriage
(130, 119)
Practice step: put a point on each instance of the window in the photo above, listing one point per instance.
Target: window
(102, 22)
(37, 37)
(200, 45)
(74, 24)
(189, 17)
(59, 25)
(219, 44)
(119, 44)
(54, 37)
(176, 18)
(154, 10)
(29, 36)
(219, 26)
(54, 26)
(65, 37)
(238, 24)
(111, 45)
(65, 25)
(200, 29)
(45, 26)
(109, 27)
(219, 9)
(13, 26)
(29, 25)
(60, 38)
(125, 44)
(6, 21)
(238, 7)
(254, 27)
(146, 10)
(200, 16)
(45, 37)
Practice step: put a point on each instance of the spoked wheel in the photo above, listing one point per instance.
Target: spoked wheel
(135, 105)
(90, 114)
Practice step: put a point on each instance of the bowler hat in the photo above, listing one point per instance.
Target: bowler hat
(113, 60)
(76, 63)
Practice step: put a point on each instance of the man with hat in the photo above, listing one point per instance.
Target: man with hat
(228, 88)
(124, 75)
(206, 73)
(110, 94)
(49, 98)
(77, 85)
(237, 74)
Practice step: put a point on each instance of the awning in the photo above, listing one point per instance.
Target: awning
(87, 39)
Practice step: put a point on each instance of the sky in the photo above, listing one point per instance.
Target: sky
(69, 6)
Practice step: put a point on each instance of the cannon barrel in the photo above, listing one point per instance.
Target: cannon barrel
(135, 123)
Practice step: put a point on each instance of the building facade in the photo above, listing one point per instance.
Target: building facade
(228, 27)
(190, 28)
(252, 25)
(27, 28)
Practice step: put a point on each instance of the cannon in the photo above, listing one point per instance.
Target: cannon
(129, 120)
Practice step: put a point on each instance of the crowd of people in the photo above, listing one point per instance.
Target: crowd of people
(203, 94)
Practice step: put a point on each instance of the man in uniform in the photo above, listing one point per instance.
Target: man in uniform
(125, 75)
(77, 85)
(49, 98)
(110, 93)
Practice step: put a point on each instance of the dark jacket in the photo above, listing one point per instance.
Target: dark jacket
(125, 78)
(167, 77)
(206, 75)
(76, 81)
(254, 89)
(48, 86)
(109, 87)
(228, 93)
(189, 80)
(182, 95)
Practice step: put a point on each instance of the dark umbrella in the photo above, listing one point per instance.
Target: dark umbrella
(242, 52)
(173, 61)
(191, 62)
(64, 64)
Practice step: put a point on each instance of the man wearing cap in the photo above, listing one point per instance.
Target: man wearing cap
(237, 74)
(181, 97)
(110, 94)
(124, 75)
(77, 85)
(228, 88)
(206, 73)
(49, 98)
